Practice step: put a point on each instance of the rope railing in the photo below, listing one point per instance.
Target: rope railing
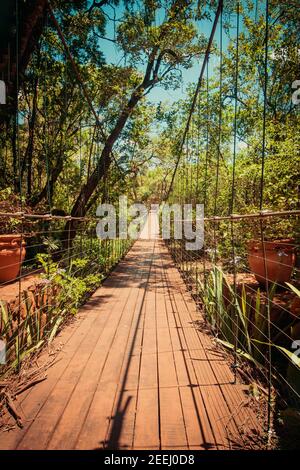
(232, 217)
(24, 215)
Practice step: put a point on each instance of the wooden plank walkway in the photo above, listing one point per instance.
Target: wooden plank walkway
(135, 372)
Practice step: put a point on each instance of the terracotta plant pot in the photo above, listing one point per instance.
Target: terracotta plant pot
(280, 260)
(12, 254)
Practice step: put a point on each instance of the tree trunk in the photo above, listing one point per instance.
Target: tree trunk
(30, 146)
(49, 186)
(80, 206)
(15, 155)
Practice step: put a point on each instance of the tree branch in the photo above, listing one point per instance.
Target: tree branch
(97, 4)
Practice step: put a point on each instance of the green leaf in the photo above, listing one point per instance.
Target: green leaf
(25, 353)
(56, 326)
(292, 356)
(294, 289)
(239, 351)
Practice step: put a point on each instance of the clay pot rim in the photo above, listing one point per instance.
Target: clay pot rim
(9, 236)
(11, 241)
(271, 244)
(10, 248)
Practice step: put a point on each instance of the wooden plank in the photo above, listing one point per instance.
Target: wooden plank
(241, 414)
(148, 374)
(184, 370)
(40, 393)
(121, 430)
(149, 322)
(137, 371)
(137, 346)
(80, 322)
(64, 389)
(164, 343)
(146, 433)
(93, 434)
(168, 303)
(114, 373)
(201, 368)
(172, 424)
(198, 428)
(191, 339)
(149, 340)
(218, 414)
(178, 339)
(161, 317)
(222, 371)
(198, 355)
(167, 371)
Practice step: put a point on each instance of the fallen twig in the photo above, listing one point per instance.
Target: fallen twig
(30, 384)
(12, 409)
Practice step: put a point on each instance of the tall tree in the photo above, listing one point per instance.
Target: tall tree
(163, 48)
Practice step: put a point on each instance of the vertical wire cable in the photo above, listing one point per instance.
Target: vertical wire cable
(231, 208)
(198, 148)
(207, 52)
(45, 112)
(80, 171)
(197, 182)
(205, 180)
(182, 204)
(188, 148)
(193, 170)
(191, 201)
(20, 178)
(265, 106)
(220, 115)
(180, 242)
(109, 241)
(189, 194)
(49, 197)
(218, 160)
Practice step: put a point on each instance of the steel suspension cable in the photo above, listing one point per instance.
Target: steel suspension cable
(207, 137)
(198, 87)
(220, 123)
(218, 155)
(236, 82)
(265, 105)
(205, 178)
(231, 208)
(264, 123)
(17, 136)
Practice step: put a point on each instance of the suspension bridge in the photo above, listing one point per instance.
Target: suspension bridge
(177, 349)
(136, 370)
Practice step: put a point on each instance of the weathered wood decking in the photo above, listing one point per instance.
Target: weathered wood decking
(136, 371)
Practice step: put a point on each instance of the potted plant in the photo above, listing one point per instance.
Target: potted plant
(12, 244)
(273, 261)
(12, 255)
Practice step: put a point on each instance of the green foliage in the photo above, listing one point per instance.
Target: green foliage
(238, 316)
(294, 289)
(65, 286)
(73, 283)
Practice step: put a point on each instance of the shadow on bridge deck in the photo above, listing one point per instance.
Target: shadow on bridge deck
(136, 371)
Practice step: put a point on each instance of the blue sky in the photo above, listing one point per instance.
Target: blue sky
(159, 94)
(113, 55)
